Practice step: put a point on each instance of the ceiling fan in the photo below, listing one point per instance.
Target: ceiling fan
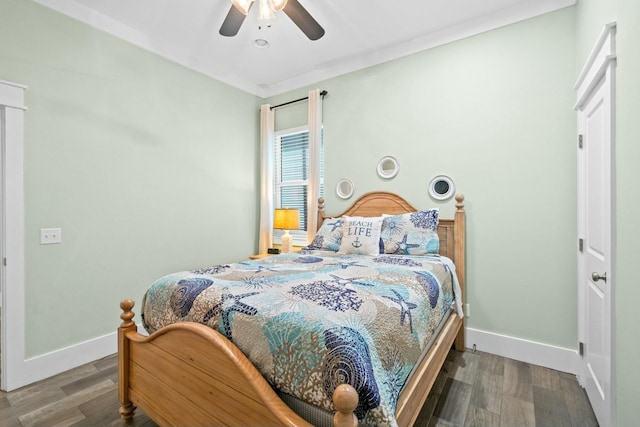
(292, 8)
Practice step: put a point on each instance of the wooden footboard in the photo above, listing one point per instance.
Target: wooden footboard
(189, 374)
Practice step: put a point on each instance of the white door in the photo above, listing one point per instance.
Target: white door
(597, 277)
(595, 207)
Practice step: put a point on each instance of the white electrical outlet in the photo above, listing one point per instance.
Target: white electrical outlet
(467, 310)
(49, 236)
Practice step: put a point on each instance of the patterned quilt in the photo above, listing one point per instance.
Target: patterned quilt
(312, 320)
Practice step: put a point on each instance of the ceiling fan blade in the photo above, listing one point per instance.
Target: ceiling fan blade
(303, 20)
(232, 22)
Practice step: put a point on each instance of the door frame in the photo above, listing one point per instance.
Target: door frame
(598, 70)
(12, 223)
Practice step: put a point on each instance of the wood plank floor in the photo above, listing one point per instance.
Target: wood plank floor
(473, 389)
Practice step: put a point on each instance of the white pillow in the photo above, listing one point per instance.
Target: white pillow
(361, 235)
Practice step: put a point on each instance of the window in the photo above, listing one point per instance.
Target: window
(291, 177)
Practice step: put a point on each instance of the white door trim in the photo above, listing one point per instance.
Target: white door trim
(598, 73)
(13, 309)
(602, 57)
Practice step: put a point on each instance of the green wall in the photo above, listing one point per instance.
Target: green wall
(147, 167)
(628, 211)
(592, 16)
(114, 132)
(497, 117)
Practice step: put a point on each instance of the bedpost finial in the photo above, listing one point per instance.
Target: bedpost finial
(345, 399)
(459, 200)
(126, 316)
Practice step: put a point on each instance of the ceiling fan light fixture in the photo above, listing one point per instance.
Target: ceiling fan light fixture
(292, 8)
(242, 5)
(278, 5)
(265, 13)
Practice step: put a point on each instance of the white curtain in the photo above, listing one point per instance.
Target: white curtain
(267, 136)
(267, 139)
(315, 129)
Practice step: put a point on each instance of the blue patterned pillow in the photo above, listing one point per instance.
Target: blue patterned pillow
(414, 233)
(329, 236)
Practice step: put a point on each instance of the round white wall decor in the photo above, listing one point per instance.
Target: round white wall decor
(441, 187)
(388, 167)
(345, 188)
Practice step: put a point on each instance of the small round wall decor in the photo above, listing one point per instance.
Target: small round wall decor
(388, 167)
(441, 187)
(344, 188)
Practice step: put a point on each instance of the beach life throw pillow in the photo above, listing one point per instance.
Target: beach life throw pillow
(361, 235)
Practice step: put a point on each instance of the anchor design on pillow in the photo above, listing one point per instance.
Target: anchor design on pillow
(356, 243)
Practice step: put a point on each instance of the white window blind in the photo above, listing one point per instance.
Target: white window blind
(291, 178)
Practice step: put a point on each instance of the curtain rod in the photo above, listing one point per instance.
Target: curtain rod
(322, 94)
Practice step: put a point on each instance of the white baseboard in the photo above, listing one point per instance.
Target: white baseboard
(549, 356)
(53, 363)
(47, 365)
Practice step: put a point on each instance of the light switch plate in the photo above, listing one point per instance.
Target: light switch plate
(50, 236)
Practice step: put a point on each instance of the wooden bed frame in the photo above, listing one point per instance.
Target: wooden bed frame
(189, 374)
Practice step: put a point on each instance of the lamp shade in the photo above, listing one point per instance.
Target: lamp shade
(286, 219)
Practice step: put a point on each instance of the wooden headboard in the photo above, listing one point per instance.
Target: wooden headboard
(451, 232)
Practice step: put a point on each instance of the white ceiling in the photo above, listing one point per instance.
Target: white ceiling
(359, 33)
